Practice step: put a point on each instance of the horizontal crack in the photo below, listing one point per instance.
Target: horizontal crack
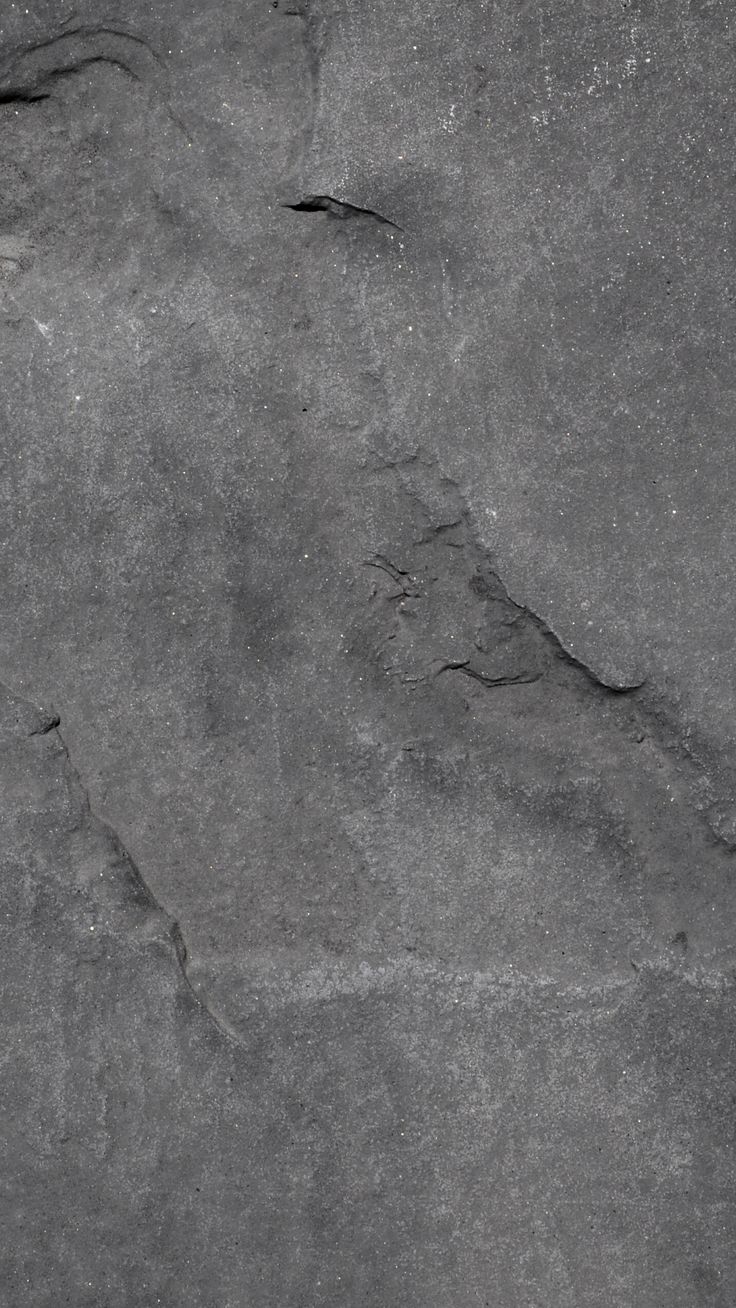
(19, 95)
(338, 209)
(508, 679)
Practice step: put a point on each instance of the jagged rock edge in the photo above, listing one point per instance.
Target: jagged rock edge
(653, 711)
(561, 650)
(173, 929)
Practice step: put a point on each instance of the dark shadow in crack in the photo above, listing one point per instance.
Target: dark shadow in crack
(339, 209)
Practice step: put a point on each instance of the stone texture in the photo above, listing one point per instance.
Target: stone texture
(366, 435)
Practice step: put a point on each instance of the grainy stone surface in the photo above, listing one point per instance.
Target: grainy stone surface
(369, 900)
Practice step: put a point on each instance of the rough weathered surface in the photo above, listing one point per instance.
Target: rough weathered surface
(366, 430)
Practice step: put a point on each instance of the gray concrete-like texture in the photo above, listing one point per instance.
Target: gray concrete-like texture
(368, 870)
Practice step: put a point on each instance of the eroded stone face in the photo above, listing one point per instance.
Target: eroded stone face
(368, 889)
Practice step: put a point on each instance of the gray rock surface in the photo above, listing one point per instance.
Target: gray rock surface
(368, 923)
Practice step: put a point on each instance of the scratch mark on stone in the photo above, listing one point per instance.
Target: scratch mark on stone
(313, 40)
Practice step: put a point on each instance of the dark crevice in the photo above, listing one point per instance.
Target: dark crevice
(51, 723)
(28, 76)
(515, 679)
(35, 91)
(398, 575)
(498, 591)
(561, 652)
(338, 209)
(22, 95)
(458, 532)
